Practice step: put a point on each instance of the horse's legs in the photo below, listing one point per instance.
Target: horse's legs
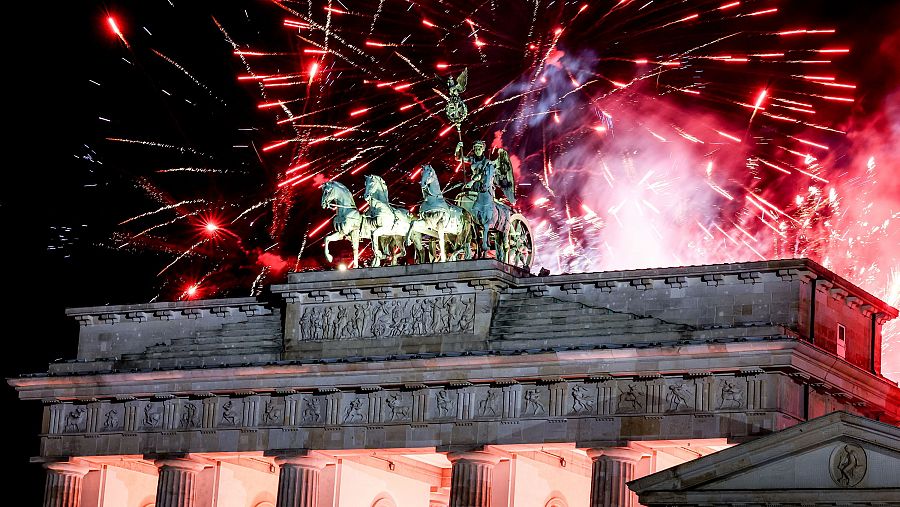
(376, 245)
(419, 248)
(442, 242)
(334, 236)
(354, 238)
(409, 233)
(485, 232)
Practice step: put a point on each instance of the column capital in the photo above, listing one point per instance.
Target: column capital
(67, 467)
(315, 461)
(616, 453)
(484, 457)
(185, 464)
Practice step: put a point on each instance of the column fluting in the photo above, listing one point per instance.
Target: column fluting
(472, 478)
(612, 468)
(62, 487)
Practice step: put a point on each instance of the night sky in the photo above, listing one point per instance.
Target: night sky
(61, 209)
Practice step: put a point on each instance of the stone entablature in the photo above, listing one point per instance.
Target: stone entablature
(576, 396)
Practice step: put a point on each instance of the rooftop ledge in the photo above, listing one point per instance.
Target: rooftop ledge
(503, 273)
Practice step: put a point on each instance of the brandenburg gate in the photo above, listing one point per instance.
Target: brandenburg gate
(464, 384)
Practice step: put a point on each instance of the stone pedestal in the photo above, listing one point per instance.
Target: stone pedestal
(175, 486)
(472, 478)
(298, 480)
(612, 468)
(63, 484)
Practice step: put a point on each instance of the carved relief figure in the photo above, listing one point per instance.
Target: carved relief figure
(382, 318)
(628, 400)
(75, 418)
(328, 323)
(401, 318)
(306, 325)
(848, 465)
(467, 319)
(341, 325)
(581, 399)
(310, 409)
(731, 395)
(359, 318)
(151, 418)
(419, 318)
(676, 397)
(487, 404)
(353, 412)
(228, 413)
(436, 315)
(396, 408)
(533, 402)
(112, 420)
(189, 411)
(271, 413)
(444, 403)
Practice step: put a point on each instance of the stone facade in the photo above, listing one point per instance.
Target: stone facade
(461, 358)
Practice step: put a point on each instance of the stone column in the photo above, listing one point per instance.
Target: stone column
(63, 484)
(472, 478)
(612, 468)
(175, 486)
(298, 480)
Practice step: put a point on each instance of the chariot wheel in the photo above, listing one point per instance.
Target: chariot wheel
(520, 252)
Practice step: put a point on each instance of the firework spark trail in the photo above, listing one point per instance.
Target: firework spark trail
(160, 210)
(179, 218)
(189, 75)
(182, 149)
(199, 170)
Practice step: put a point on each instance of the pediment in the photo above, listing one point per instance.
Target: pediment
(837, 452)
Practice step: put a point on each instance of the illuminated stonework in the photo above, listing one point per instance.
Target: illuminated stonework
(471, 381)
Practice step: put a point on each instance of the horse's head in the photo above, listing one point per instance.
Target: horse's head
(375, 188)
(327, 194)
(335, 194)
(428, 176)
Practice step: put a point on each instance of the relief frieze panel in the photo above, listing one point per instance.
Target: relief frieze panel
(273, 410)
(76, 419)
(230, 413)
(416, 404)
(311, 410)
(632, 398)
(730, 393)
(535, 400)
(397, 407)
(679, 396)
(583, 399)
(189, 415)
(386, 318)
(151, 416)
(489, 403)
(445, 403)
(354, 410)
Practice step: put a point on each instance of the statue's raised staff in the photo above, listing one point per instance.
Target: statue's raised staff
(456, 109)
